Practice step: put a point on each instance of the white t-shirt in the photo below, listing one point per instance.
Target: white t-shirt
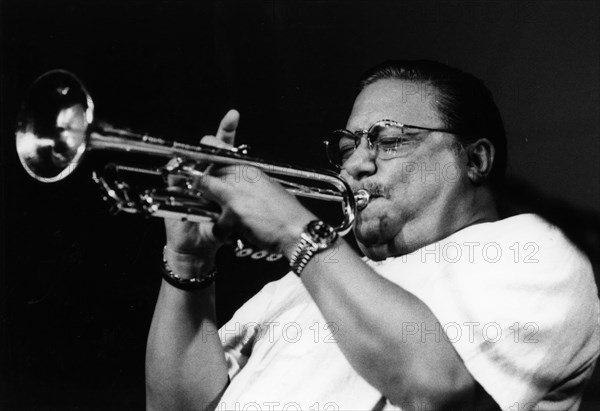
(515, 298)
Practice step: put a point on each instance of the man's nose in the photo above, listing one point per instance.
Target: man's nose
(361, 163)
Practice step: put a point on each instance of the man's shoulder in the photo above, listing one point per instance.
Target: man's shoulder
(523, 247)
(521, 228)
(530, 241)
(521, 223)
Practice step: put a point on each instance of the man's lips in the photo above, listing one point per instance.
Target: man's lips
(374, 192)
(363, 203)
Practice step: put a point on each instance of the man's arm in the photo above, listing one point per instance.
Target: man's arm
(185, 362)
(368, 311)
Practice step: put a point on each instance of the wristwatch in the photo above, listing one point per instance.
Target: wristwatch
(317, 236)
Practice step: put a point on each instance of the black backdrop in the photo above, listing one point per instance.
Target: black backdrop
(78, 286)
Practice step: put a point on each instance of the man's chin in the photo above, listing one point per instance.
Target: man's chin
(375, 243)
(368, 237)
(374, 252)
(368, 240)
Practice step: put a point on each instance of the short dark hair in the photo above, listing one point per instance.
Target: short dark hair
(465, 104)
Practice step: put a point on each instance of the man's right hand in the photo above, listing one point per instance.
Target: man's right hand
(191, 247)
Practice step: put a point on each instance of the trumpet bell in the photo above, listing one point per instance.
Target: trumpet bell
(53, 126)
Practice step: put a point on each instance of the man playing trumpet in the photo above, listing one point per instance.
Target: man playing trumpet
(450, 306)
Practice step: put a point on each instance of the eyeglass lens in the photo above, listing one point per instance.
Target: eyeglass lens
(387, 139)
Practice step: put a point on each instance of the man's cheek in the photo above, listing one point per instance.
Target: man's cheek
(409, 171)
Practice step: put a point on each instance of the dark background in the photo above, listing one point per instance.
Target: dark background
(78, 285)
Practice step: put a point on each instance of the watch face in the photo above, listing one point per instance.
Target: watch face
(321, 232)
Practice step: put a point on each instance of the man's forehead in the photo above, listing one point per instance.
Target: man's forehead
(403, 101)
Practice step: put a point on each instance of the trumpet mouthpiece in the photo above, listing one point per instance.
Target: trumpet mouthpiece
(362, 198)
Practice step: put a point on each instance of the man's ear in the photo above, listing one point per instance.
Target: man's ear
(480, 159)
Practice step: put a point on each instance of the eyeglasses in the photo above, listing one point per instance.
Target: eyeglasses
(388, 138)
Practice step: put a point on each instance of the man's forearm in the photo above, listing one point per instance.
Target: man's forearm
(185, 363)
(368, 311)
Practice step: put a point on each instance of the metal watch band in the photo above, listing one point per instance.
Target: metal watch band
(304, 251)
(311, 242)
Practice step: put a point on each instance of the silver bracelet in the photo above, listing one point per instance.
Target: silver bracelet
(187, 284)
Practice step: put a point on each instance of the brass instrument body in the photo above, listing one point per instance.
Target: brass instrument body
(57, 127)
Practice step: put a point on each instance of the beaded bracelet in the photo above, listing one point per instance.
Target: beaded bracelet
(186, 284)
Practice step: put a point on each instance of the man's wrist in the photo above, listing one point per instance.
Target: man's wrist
(292, 239)
(188, 266)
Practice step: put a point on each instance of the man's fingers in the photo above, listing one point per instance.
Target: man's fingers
(228, 126)
(226, 132)
(213, 188)
(213, 141)
(223, 229)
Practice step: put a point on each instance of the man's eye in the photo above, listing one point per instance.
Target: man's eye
(389, 146)
(398, 137)
(346, 147)
(387, 143)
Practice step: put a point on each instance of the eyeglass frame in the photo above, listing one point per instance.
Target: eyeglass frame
(367, 133)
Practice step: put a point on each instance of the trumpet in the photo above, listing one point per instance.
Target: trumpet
(56, 128)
